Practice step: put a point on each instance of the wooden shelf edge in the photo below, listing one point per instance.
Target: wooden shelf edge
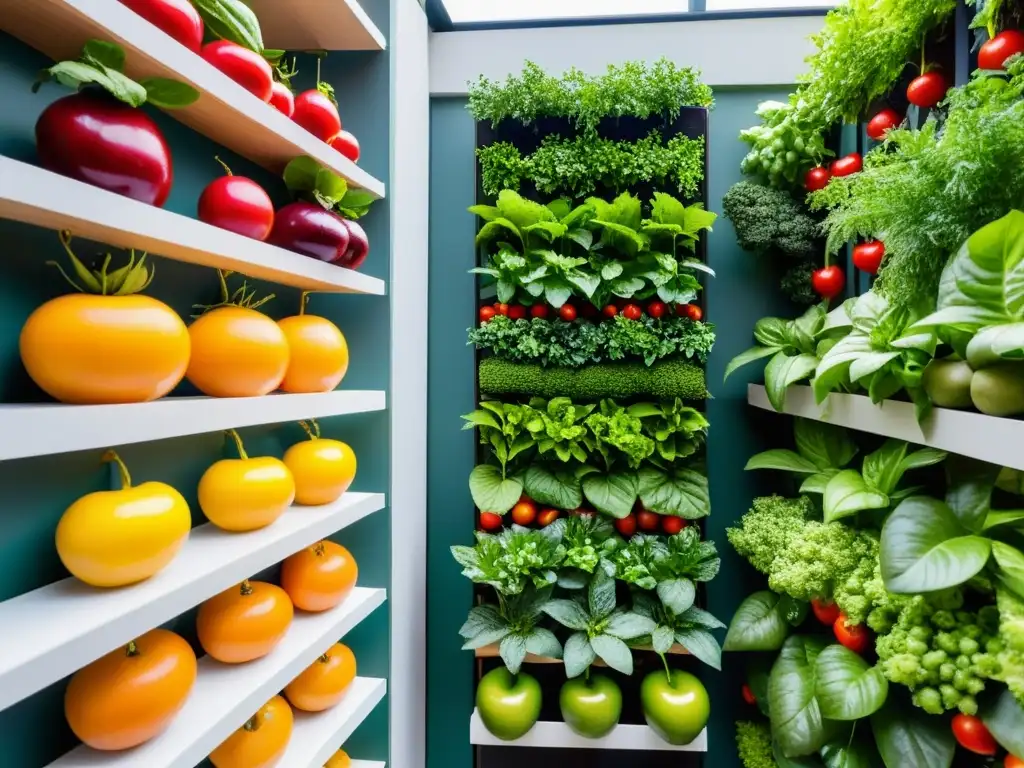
(492, 651)
(303, 25)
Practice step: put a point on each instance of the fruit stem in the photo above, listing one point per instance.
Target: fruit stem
(991, 28)
(323, 659)
(238, 443)
(924, 43)
(252, 724)
(319, 549)
(668, 672)
(319, 58)
(303, 300)
(314, 431)
(224, 166)
(131, 649)
(126, 479)
(245, 588)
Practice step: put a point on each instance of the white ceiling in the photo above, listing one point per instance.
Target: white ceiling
(470, 11)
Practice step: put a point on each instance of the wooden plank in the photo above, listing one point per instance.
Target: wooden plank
(329, 25)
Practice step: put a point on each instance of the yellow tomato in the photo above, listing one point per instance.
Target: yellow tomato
(261, 742)
(115, 538)
(88, 349)
(237, 352)
(245, 494)
(323, 469)
(319, 354)
(339, 760)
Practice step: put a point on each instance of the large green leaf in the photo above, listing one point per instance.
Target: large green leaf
(613, 652)
(752, 354)
(522, 212)
(782, 371)
(491, 492)
(847, 493)
(924, 548)
(759, 625)
(847, 687)
(797, 721)
(772, 332)
(992, 345)
(560, 488)
(826, 445)
(701, 644)
(1011, 565)
(497, 228)
(834, 368)
(578, 654)
(677, 492)
(784, 459)
(907, 737)
(1005, 719)
(969, 495)
(851, 751)
(612, 494)
(803, 761)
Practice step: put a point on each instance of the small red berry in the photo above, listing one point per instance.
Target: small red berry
(567, 312)
(817, 178)
(486, 313)
(517, 312)
(490, 521)
(648, 521)
(694, 312)
(501, 309)
(610, 310)
(656, 309)
(539, 310)
(632, 312)
(626, 526)
(672, 525)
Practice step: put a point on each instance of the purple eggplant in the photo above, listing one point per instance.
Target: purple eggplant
(311, 230)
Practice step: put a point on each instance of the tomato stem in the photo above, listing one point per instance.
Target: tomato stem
(323, 659)
(303, 300)
(314, 432)
(126, 478)
(319, 549)
(224, 166)
(245, 588)
(238, 443)
(252, 724)
(131, 649)
(924, 43)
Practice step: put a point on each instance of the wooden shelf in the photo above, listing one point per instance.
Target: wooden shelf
(306, 25)
(967, 433)
(37, 196)
(57, 629)
(493, 651)
(225, 112)
(317, 736)
(49, 428)
(226, 695)
(560, 736)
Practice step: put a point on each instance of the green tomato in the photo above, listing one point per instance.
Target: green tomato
(676, 707)
(592, 707)
(509, 705)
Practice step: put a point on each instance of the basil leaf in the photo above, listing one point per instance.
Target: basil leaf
(758, 625)
(542, 642)
(847, 494)
(168, 94)
(846, 687)
(702, 645)
(109, 55)
(752, 354)
(677, 595)
(772, 332)
(626, 625)
(969, 495)
(578, 654)
(1011, 565)
(662, 639)
(797, 721)
(825, 445)
(300, 174)
(817, 483)
(231, 20)
(781, 372)
(924, 548)
(907, 736)
(794, 611)
(803, 761)
(781, 458)
(513, 651)
(884, 468)
(678, 492)
(849, 752)
(568, 613)
(613, 494)
(614, 653)
(491, 492)
(560, 489)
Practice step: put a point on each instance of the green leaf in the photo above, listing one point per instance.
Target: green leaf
(497, 228)
(846, 687)
(758, 625)
(752, 354)
(626, 625)
(1005, 719)
(568, 613)
(793, 610)
(701, 644)
(613, 494)
(662, 639)
(611, 270)
(781, 458)
(300, 174)
(677, 595)
(884, 468)
(847, 493)
(1002, 518)
(817, 483)
(109, 55)
(601, 595)
(560, 489)
(484, 626)
(827, 446)
(513, 651)
(492, 493)
(849, 752)
(772, 332)
(578, 654)
(906, 736)
(678, 492)
(1011, 566)
(969, 494)
(168, 94)
(522, 212)
(613, 652)
(781, 372)
(231, 20)
(75, 74)
(542, 642)
(330, 186)
(924, 548)
(797, 721)
(802, 761)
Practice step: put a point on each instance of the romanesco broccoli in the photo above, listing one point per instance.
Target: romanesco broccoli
(754, 744)
(1011, 641)
(768, 528)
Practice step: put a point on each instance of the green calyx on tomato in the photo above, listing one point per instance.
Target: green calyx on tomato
(134, 277)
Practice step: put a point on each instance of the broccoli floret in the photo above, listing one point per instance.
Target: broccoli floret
(1010, 645)
(770, 221)
(798, 286)
(769, 527)
(754, 745)
(665, 380)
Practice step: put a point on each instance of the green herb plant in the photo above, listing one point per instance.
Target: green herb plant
(513, 625)
(307, 180)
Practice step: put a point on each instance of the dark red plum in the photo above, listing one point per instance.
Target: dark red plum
(311, 230)
(358, 247)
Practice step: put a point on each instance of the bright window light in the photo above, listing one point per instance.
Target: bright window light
(764, 5)
(462, 11)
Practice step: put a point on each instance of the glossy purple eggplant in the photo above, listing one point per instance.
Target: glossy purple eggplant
(311, 230)
(358, 247)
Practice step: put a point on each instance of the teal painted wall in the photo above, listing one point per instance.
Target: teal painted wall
(34, 492)
(742, 292)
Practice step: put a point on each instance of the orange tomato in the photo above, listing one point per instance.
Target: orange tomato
(261, 742)
(319, 577)
(244, 622)
(115, 538)
(130, 695)
(319, 352)
(339, 759)
(323, 469)
(236, 352)
(324, 682)
(245, 494)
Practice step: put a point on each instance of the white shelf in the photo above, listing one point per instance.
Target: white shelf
(558, 735)
(967, 433)
(55, 630)
(226, 695)
(225, 112)
(37, 196)
(49, 428)
(368, 764)
(309, 25)
(317, 736)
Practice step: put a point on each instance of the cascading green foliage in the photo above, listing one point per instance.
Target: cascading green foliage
(634, 89)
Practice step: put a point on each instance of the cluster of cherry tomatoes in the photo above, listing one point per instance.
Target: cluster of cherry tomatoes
(569, 312)
(526, 513)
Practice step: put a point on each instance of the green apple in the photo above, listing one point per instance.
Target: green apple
(592, 707)
(676, 707)
(509, 705)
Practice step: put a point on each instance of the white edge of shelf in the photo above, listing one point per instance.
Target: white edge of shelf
(366, 22)
(554, 735)
(50, 428)
(368, 764)
(40, 197)
(59, 628)
(295, 35)
(226, 695)
(317, 736)
(988, 438)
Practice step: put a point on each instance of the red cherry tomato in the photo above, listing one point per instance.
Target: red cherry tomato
(501, 309)
(672, 525)
(626, 526)
(867, 257)
(539, 310)
(175, 17)
(995, 52)
(238, 205)
(828, 282)
(748, 695)
(632, 312)
(317, 114)
(567, 312)
(927, 90)
(610, 310)
(516, 312)
(856, 637)
(694, 312)
(487, 313)
(547, 517)
(656, 309)
(245, 67)
(817, 178)
(647, 521)
(973, 735)
(282, 99)
(490, 521)
(845, 166)
(524, 513)
(882, 123)
(826, 611)
(1012, 761)
(348, 145)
